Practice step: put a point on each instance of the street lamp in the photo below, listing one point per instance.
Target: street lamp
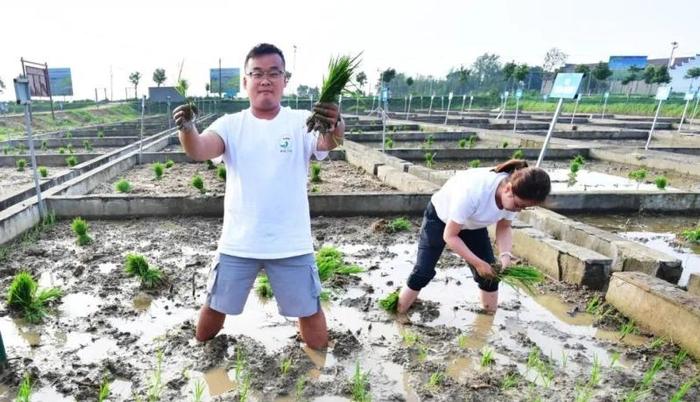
(674, 45)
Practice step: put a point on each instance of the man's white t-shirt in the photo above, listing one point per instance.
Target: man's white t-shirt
(469, 198)
(266, 207)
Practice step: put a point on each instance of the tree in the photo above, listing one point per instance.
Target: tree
(521, 73)
(554, 59)
(135, 77)
(633, 75)
(409, 82)
(302, 91)
(2, 86)
(361, 79)
(508, 71)
(601, 72)
(586, 71)
(159, 76)
(314, 92)
(692, 74)
(388, 75)
(488, 68)
(206, 88)
(661, 75)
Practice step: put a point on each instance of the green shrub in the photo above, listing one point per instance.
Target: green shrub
(462, 143)
(123, 186)
(638, 175)
(389, 143)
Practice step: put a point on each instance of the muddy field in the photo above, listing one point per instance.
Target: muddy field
(594, 175)
(12, 180)
(481, 144)
(544, 347)
(337, 176)
(662, 233)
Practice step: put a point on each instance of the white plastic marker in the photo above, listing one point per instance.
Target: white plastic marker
(661, 95)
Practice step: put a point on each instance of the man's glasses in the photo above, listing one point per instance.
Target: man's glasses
(273, 75)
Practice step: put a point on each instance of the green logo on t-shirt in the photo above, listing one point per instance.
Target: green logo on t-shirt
(285, 144)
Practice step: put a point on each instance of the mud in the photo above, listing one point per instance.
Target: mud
(12, 180)
(108, 325)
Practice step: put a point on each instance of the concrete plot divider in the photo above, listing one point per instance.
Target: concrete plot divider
(658, 307)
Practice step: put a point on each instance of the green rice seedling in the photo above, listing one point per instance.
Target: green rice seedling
(430, 159)
(579, 159)
(638, 175)
(21, 150)
(661, 182)
(594, 304)
(524, 276)
(285, 365)
(71, 161)
(136, 265)
(504, 144)
(198, 183)
(436, 379)
(509, 381)
(263, 287)
(462, 143)
(44, 145)
(198, 391)
(21, 164)
(574, 167)
(314, 189)
(104, 390)
(23, 296)
(87, 145)
(155, 386)
(210, 165)
(429, 141)
(329, 262)
(43, 171)
(614, 358)
(169, 163)
(315, 172)
(627, 328)
(390, 303)
(595, 372)
(422, 353)
(221, 172)
(24, 392)
(158, 169)
(398, 225)
(80, 228)
(472, 141)
(679, 358)
(389, 143)
(564, 359)
(240, 364)
(584, 393)
(359, 385)
(657, 343)
(409, 337)
(463, 340)
(636, 394)
(475, 164)
(68, 135)
(692, 235)
(486, 356)
(683, 390)
(325, 295)
(6, 149)
(62, 151)
(340, 71)
(655, 368)
(100, 134)
(122, 186)
(69, 148)
(518, 154)
(299, 387)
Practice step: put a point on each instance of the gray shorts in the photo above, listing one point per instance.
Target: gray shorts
(294, 280)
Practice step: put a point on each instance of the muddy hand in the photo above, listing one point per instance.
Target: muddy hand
(485, 270)
(183, 117)
(327, 112)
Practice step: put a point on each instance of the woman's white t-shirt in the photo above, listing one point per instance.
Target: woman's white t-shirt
(266, 207)
(469, 199)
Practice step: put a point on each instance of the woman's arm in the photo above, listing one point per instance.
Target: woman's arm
(455, 243)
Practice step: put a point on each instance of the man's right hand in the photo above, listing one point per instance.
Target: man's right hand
(485, 270)
(184, 122)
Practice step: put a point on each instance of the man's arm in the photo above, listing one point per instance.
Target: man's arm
(199, 147)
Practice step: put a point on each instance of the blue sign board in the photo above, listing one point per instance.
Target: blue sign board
(61, 82)
(519, 93)
(566, 85)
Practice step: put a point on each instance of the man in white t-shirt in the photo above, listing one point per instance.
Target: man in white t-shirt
(266, 149)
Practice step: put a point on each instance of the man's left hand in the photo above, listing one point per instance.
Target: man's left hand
(328, 112)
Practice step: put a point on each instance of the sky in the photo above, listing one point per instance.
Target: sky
(414, 37)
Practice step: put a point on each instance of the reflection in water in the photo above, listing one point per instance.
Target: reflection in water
(218, 381)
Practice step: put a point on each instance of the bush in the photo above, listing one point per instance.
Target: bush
(123, 186)
(462, 144)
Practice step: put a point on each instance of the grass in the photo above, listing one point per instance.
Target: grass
(436, 379)
(263, 287)
(24, 392)
(678, 360)
(638, 175)
(692, 235)
(509, 381)
(100, 134)
(661, 182)
(594, 304)
(315, 172)
(62, 150)
(198, 183)
(198, 391)
(409, 337)
(158, 169)
(627, 328)
(80, 228)
(71, 161)
(524, 276)
(169, 163)
(430, 159)
(579, 159)
(595, 372)
(398, 225)
(389, 143)
(122, 186)
(486, 357)
(574, 166)
(104, 390)
(462, 340)
(136, 265)
(462, 143)
(240, 364)
(330, 263)
(24, 296)
(518, 154)
(683, 390)
(87, 145)
(43, 171)
(286, 365)
(360, 385)
(475, 163)
(340, 71)
(221, 172)
(210, 164)
(658, 343)
(504, 144)
(614, 358)
(155, 386)
(299, 387)
(390, 303)
(422, 353)
(429, 141)
(44, 145)
(68, 135)
(21, 164)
